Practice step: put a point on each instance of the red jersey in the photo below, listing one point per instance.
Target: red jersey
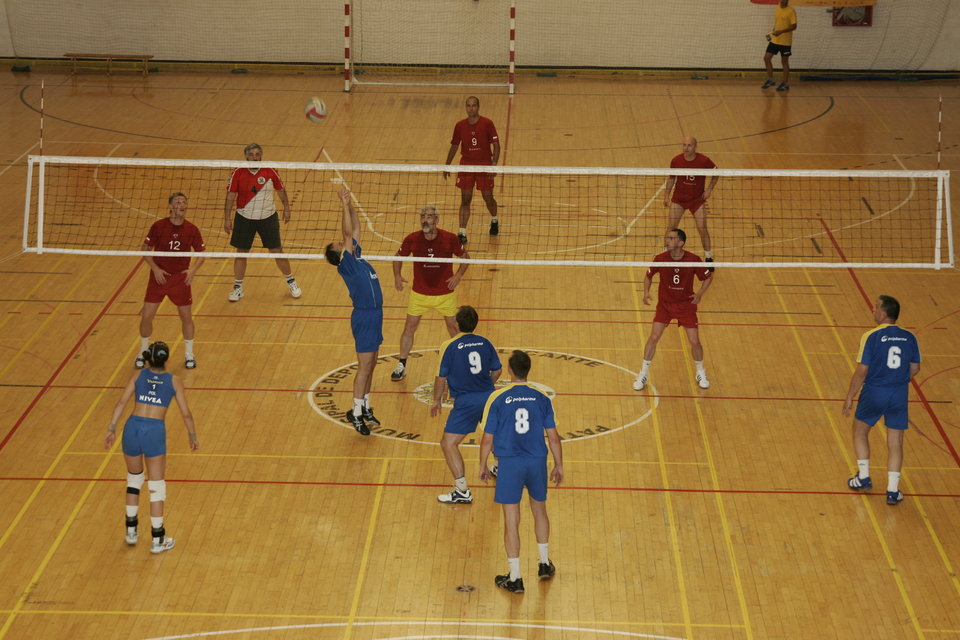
(255, 192)
(689, 188)
(475, 140)
(676, 283)
(166, 236)
(430, 278)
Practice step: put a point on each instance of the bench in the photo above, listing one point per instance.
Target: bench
(109, 57)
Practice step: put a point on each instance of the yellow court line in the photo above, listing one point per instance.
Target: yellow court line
(365, 556)
(667, 498)
(897, 576)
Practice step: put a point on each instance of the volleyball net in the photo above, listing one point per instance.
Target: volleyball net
(567, 216)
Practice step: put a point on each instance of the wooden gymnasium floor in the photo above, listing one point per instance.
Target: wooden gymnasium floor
(715, 515)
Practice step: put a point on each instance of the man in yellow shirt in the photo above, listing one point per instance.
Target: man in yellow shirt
(781, 39)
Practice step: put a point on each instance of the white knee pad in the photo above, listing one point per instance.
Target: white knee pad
(158, 490)
(134, 482)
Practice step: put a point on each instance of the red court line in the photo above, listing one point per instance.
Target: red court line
(869, 302)
(416, 485)
(49, 384)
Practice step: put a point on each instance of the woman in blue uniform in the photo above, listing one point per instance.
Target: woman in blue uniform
(145, 438)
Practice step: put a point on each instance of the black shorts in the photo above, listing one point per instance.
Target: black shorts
(244, 230)
(782, 49)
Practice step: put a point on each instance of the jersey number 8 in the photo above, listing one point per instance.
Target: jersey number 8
(522, 417)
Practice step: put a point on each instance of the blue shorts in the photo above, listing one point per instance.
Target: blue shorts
(144, 437)
(467, 411)
(367, 326)
(516, 472)
(889, 402)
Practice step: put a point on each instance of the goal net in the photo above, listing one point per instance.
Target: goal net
(548, 215)
(466, 43)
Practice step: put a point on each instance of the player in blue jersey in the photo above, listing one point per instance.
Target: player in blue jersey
(514, 423)
(145, 439)
(469, 366)
(889, 358)
(366, 321)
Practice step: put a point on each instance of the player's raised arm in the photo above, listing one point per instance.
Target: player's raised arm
(351, 221)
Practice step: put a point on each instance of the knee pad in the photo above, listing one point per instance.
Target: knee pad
(158, 490)
(134, 482)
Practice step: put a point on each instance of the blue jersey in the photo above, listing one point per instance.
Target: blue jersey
(466, 361)
(361, 280)
(154, 388)
(887, 351)
(516, 416)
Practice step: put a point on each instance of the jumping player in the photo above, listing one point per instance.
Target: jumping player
(889, 358)
(675, 300)
(469, 366)
(690, 194)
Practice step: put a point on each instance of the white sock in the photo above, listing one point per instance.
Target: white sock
(357, 406)
(144, 344)
(494, 219)
(708, 254)
(514, 568)
(544, 556)
(645, 367)
(366, 401)
(461, 484)
(863, 468)
(289, 278)
(699, 365)
(238, 283)
(132, 510)
(463, 231)
(893, 481)
(156, 521)
(188, 350)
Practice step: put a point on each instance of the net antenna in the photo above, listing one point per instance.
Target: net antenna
(559, 216)
(463, 43)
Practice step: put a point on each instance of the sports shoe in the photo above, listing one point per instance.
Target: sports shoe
(493, 470)
(139, 363)
(640, 382)
(894, 497)
(367, 415)
(495, 228)
(710, 269)
(702, 380)
(546, 570)
(190, 363)
(462, 237)
(513, 586)
(399, 373)
(358, 423)
(294, 289)
(235, 294)
(159, 547)
(783, 87)
(131, 536)
(859, 484)
(768, 83)
(456, 497)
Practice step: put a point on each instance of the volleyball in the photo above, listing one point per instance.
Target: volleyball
(315, 110)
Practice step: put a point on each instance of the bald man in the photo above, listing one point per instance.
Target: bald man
(690, 193)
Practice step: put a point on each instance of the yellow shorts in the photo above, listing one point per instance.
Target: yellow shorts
(445, 305)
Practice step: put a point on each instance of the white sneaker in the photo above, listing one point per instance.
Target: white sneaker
(132, 535)
(139, 363)
(456, 497)
(640, 382)
(160, 547)
(236, 294)
(702, 380)
(399, 373)
(294, 289)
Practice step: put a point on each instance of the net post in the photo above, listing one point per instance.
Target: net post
(346, 46)
(511, 74)
(26, 203)
(949, 217)
(41, 165)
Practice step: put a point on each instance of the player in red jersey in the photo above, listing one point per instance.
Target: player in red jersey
(477, 138)
(251, 193)
(434, 283)
(675, 300)
(690, 192)
(171, 277)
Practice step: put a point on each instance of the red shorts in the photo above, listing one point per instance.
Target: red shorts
(685, 313)
(692, 205)
(483, 181)
(176, 289)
